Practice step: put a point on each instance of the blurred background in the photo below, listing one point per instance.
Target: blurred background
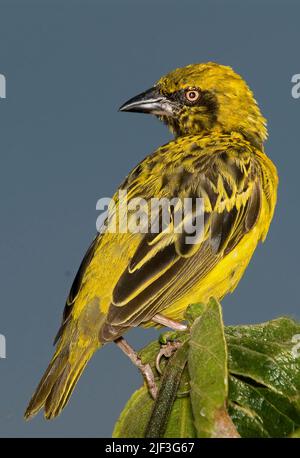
(69, 65)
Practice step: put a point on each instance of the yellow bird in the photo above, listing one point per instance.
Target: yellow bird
(130, 279)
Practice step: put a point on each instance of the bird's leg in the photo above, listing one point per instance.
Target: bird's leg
(144, 368)
(175, 325)
(169, 347)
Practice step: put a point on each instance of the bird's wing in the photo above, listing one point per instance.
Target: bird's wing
(163, 267)
(76, 286)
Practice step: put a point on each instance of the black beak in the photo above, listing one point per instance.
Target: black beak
(151, 101)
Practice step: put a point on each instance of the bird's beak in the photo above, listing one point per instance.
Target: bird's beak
(151, 101)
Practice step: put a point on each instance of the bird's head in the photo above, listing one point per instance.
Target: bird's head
(200, 98)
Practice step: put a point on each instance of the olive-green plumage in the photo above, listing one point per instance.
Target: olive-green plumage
(125, 278)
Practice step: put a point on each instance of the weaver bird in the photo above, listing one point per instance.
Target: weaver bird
(136, 279)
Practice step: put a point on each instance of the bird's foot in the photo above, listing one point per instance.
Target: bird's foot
(168, 340)
(167, 351)
(145, 369)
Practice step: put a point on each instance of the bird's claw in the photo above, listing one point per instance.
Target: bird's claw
(166, 350)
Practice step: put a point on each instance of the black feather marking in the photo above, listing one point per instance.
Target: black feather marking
(81, 271)
(131, 282)
(254, 207)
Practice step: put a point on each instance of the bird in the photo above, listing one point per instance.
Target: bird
(130, 279)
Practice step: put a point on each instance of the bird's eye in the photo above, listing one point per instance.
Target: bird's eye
(192, 95)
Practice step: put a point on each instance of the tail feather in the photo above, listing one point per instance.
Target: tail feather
(64, 386)
(58, 383)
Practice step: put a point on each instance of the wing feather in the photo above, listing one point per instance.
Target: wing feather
(163, 269)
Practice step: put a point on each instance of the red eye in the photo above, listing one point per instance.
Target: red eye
(192, 95)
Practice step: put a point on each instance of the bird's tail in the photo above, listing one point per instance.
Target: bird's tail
(59, 380)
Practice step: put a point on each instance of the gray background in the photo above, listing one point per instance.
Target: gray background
(69, 65)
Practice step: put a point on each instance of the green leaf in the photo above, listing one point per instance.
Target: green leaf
(247, 423)
(135, 420)
(264, 386)
(295, 434)
(135, 415)
(181, 420)
(167, 393)
(262, 409)
(264, 353)
(244, 378)
(207, 365)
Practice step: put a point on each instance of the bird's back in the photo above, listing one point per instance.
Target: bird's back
(237, 183)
